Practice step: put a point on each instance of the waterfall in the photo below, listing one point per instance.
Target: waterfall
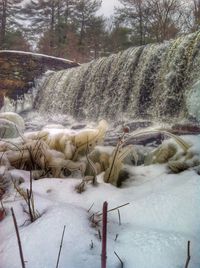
(147, 82)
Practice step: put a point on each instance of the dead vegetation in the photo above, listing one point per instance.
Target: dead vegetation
(60, 155)
(28, 197)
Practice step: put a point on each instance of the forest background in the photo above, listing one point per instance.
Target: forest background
(74, 29)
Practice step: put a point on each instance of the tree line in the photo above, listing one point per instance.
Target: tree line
(74, 29)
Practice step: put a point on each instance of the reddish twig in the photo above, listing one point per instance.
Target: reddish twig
(18, 239)
(104, 235)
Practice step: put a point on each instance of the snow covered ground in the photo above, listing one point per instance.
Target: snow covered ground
(162, 216)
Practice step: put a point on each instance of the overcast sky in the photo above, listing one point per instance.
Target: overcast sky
(107, 8)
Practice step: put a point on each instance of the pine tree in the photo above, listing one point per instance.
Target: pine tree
(50, 20)
(9, 18)
(95, 36)
(58, 23)
(83, 14)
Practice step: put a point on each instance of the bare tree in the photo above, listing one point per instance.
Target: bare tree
(163, 18)
(192, 16)
(152, 20)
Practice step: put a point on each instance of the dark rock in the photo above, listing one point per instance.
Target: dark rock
(181, 129)
(132, 125)
(8, 129)
(80, 126)
(139, 124)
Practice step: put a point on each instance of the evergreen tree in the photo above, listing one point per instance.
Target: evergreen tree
(9, 19)
(119, 39)
(95, 37)
(50, 20)
(15, 40)
(133, 14)
(58, 23)
(83, 14)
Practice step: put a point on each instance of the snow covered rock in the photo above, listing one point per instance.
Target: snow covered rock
(11, 125)
(15, 118)
(8, 129)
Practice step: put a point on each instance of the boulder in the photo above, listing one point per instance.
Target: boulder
(8, 129)
(14, 118)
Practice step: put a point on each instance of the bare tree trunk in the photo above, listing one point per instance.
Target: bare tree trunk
(196, 14)
(52, 27)
(82, 29)
(141, 22)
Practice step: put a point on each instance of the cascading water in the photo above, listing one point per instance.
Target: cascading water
(147, 82)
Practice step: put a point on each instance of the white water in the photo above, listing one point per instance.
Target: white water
(142, 82)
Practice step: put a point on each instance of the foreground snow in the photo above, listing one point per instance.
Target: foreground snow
(163, 214)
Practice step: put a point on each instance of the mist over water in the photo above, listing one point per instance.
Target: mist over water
(148, 82)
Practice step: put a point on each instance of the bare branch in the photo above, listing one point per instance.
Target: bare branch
(122, 264)
(188, 255)
(61, 243)
(18, 239)
(99, 214)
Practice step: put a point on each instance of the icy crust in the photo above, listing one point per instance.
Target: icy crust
(162, 216)
(41, 240)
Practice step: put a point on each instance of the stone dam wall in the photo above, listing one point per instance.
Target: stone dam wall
(18, 71)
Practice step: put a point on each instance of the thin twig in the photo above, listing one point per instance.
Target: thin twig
(28, 198)
(188, 255)
(2, 156)
(119, 216)
(116, 237)
(18, 239)
(91, 164)
(122, 264)
(104, 235)
(91, 245)
(99, 233)
(29, 205)
(90, 207)
(119, 144)
(34, 213)
(60, 247)
(31, 184)
(3, 208)
(99, 214)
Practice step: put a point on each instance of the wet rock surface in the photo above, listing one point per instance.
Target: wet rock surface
(18, 70)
